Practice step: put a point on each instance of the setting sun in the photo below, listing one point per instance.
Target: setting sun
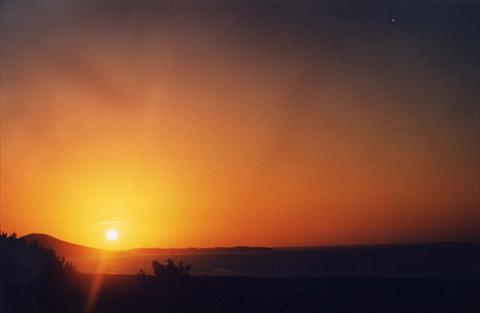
(239, 156)
(111, 234)
(319, 147)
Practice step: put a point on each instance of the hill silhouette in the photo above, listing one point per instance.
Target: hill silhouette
(34, 279)
(62, 247)
(68, 249)
(445, 259)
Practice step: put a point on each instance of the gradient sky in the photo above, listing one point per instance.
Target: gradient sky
(208, 124)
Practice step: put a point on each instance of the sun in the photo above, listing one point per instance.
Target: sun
(111, 234)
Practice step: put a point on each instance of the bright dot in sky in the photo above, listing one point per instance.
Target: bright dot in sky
(111, 234)
(393, 20)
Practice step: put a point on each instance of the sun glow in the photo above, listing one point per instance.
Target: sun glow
(111, 234)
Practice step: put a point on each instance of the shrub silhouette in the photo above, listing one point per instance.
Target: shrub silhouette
(33, 278)
(165, 273)
(170, 271)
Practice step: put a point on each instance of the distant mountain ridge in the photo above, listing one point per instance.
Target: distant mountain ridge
(67, 249)
(216, 250)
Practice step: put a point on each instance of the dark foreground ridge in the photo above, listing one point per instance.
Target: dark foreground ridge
(124, 293)
(34, 279)
(440, 260)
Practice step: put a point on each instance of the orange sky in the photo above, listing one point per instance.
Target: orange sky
(194, 130)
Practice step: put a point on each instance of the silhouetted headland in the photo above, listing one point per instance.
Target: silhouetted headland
(459, 259)
(34, 279)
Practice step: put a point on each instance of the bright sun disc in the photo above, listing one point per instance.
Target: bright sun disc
(111, 234)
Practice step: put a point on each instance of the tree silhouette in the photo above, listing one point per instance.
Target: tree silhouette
(166, 273)
(170, 271)
(30, 274)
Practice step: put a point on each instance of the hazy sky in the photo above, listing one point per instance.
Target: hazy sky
(209, 124)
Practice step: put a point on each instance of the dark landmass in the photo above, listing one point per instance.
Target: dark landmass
(68, 249)
(34, 279)
(63, 248)
(216, 250)
(441, 260)
(123, 293)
